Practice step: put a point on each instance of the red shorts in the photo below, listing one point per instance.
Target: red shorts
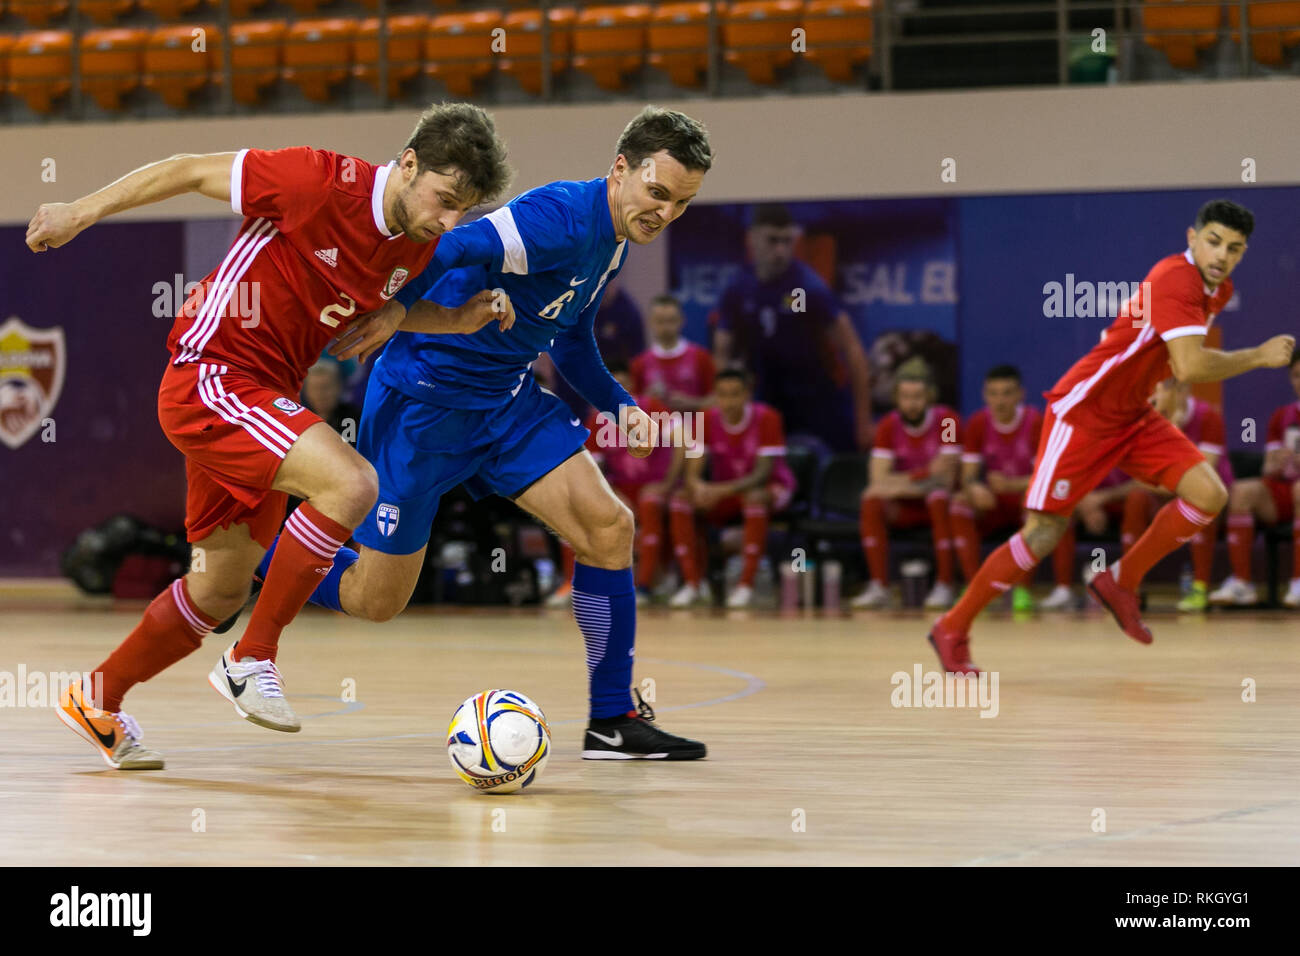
(234, 433)
(1280, 489)
(734, 505)
(1073, 458)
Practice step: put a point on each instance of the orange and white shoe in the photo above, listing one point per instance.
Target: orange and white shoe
(115, 736)
(561, 596)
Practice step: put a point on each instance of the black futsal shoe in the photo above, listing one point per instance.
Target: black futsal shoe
(635, 737)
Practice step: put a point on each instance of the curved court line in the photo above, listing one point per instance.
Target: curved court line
(1128, 834)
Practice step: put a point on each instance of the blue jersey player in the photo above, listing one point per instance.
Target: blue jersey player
(442, 409)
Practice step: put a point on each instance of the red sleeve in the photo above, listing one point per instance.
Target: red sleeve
(1275, 437)
(771, 433)
(593, 426)
(1177, 304)
(286, 186)
(974, 434)
(707, 371)
(637, 368)
(884, 439)
(1214, 433)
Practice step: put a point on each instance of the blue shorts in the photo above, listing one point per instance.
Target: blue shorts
(422, 451)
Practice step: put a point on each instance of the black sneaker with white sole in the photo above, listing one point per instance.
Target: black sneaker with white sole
(635, 737)
(230, 622)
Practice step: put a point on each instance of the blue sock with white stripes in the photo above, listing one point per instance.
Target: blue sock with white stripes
(327, 592)
(604, 604)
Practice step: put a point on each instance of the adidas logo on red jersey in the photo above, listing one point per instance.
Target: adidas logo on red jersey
(329, 256)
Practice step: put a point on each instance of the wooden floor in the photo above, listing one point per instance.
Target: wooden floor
(796, 712)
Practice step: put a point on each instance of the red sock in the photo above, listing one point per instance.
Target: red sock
(1241, 540)
(305, 552)
(650, 517)
(997, 575)
(1063, 557)
(875, 543)
(965, 538)
(936, 502)
(172, 628)
(1174, 525)
(1203, 552)
(681, 519)
(1137, 509)
(755, 541)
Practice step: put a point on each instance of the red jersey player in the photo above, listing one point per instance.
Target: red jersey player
(677, 372)
(325, 238)
(1271, 498)
(914, 467)
(641, 483)
(1000, 442)
(1099, 417)
(744, 445)
(1204, 427)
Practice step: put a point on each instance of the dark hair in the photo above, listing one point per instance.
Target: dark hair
(1003, 371)
(1227, 212)
(737, 372)
(667, 298)
(771, 214)
(462, 137)
(655, 129)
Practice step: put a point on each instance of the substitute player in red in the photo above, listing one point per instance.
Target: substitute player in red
(325, 238)
(674, 370)
(744, 442)
(1099, 416)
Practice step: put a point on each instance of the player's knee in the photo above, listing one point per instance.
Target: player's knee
(216, 596)
(611, 531)
(1216, 496)
(376, 605)
(359, 486)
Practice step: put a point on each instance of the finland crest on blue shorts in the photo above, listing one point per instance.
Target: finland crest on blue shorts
(386, 518)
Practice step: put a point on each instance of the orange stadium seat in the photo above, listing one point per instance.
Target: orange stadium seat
(106, 11)
(38, 12)
(256, 52)
(239, 9)
(609, 42)
(678, 40)
(1199, 27)
(458, 49)
(173, 68)
(523, 55)
(405, 48)
(318, 55)
(758, 36)
(110, 64)
(170, 9)
(1273, 26)
(839, 36)
(40, 64)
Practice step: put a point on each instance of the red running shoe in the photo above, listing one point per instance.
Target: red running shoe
(953, 648)
(1122, 604)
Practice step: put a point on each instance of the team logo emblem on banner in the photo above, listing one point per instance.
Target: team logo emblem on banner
(395, 282)
(32, 363)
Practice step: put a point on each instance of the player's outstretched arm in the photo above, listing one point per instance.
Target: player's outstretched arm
(1192, 362)
(55, 224)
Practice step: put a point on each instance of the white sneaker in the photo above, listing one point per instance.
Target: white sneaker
(561, 596)
(742, 595)
(256, 690)
(686, 595)
(940, 597)
(1235, 591)
(1292, 598)
(1061, 599)
(874, 595)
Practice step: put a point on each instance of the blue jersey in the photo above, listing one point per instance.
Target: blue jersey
(552, 250)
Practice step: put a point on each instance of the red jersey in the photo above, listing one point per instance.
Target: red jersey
(1284, 434)
(735, 449)
(1008, 449)
(1111, 385)
(685, 368)
(622, 468)
(913, 449)
(313, 253)
(1204, 427)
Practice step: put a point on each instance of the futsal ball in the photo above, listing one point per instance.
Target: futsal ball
(498, 741)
